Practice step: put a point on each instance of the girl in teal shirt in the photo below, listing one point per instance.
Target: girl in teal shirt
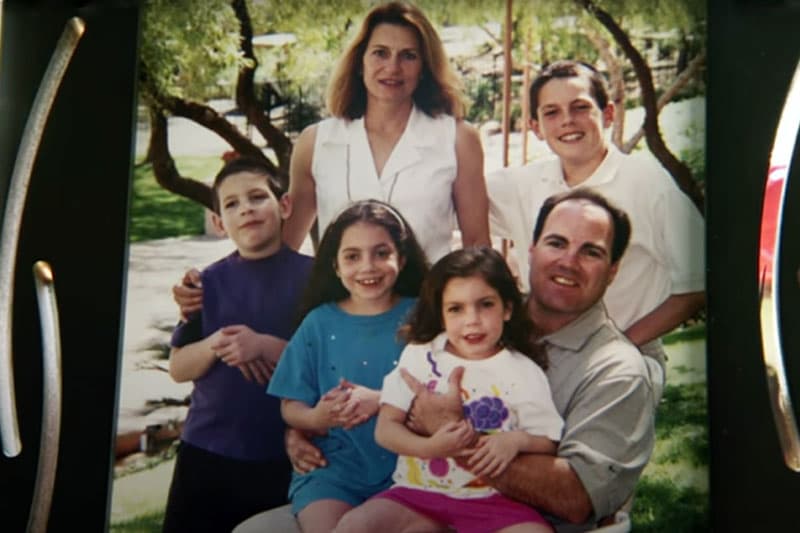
(365, 278)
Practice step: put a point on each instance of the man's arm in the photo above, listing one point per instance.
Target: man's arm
(608, 438)
(680, 244)
(670, 314)
(545, 481)
(392, 433)
(548, 483)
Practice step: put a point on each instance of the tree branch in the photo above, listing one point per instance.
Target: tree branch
(164, 169)
(680, 82)
(245, 93)
(616, 82)
(655, 142)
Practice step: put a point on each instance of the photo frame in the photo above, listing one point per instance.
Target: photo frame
(682, 447)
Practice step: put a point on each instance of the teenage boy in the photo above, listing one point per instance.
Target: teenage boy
(231, 460)
(661, 280)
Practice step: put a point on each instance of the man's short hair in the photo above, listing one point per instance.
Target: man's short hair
(569, 69)
(620, 222)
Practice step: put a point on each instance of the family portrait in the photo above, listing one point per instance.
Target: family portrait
(416, 266)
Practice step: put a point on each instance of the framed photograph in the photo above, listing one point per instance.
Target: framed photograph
(148, 100)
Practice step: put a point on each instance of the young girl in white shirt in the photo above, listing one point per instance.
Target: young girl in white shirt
(470, 314)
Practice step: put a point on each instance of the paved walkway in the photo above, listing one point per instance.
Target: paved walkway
(150, 314)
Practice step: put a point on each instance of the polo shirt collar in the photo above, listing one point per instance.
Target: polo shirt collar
(577, 333)
(607, 169)
(604, 173)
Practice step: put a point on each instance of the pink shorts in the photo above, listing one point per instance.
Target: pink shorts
(466, 515)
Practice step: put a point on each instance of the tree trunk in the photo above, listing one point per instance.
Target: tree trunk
(246, 99)
(208, 118)
(151, 148)
(655, 142)
(164, 168)
(616, 82)
(158, 154)
(680, 82)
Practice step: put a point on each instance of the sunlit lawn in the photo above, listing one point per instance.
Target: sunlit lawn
(157, 213)
(672, 494)
(147, 523)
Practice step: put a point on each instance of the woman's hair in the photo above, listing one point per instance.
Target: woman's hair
(438, 90)
(325, 286)
(426, 320)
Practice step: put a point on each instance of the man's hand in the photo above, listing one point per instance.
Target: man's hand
(303, 455)
(188, 294)
(429, 410)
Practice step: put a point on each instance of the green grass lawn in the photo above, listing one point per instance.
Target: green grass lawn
(147, 523)
(157, 213)
(672, 494)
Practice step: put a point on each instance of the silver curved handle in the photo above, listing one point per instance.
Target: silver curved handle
(12, 220)
(769, 272)
(51, 405)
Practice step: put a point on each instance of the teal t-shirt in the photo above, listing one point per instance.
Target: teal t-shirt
(331, 344)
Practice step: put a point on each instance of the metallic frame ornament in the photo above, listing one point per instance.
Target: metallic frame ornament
(12, 221)
(769, 273)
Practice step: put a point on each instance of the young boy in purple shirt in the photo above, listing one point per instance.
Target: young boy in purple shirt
(231, 461)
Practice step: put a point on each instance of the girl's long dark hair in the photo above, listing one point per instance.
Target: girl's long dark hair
(325, 286)
(426, 321)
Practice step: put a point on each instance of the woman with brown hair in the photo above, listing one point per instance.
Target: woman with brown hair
(396, 134)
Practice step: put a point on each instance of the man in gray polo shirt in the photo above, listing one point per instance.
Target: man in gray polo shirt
(599, 381)
(600, 384)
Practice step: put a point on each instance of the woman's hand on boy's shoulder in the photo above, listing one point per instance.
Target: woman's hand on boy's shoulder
(188, 294)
